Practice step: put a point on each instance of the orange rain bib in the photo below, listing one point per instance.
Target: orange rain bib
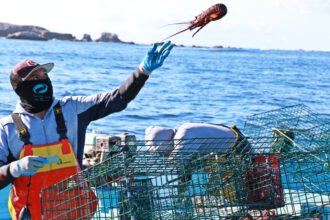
(47, 176)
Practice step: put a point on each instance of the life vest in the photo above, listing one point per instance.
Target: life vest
(26, 190)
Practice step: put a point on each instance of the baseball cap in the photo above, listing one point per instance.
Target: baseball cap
(24, 68)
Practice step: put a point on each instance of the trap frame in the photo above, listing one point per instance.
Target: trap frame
(281, 170)
(307, 129)
(217, 185)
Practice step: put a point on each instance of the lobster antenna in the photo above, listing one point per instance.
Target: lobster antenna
(175, 34)
(175, 24)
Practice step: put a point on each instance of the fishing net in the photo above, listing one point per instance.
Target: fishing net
(192, 184)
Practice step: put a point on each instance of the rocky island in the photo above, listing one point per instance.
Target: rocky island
(29, 32)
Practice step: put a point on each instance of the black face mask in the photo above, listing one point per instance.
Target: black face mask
(36, 95)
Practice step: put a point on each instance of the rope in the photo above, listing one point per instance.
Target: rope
(302, 132)
(296, 145)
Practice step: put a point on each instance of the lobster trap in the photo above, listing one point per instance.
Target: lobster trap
(217, 184)
(296, 128)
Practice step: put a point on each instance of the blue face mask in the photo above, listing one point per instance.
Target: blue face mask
(35, 95)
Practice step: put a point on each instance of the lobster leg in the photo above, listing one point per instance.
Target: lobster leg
(199, 30)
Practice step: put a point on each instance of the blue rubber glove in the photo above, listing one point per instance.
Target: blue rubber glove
(27, 166)
(155, 58)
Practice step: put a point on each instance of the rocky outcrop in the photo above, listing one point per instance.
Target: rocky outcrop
(7, 29)
(196, 46)
(109, 37)
(86, 38)
(29, 32)
(26, 35)
(57, 36)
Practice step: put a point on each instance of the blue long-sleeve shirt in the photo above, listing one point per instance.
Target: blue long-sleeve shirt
(78, 112)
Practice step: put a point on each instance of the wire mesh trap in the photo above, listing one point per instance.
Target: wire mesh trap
(298, 124)
(279, 171)
(192, 184)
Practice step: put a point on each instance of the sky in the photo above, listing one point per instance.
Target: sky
(263, 24)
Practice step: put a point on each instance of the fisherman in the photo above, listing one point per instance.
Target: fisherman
(42, 141)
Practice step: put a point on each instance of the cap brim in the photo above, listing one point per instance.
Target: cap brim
(48, 67)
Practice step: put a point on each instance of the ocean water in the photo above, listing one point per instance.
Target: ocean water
(194, 84)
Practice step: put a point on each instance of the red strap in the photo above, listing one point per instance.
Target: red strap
(65, 146)
(28, 150)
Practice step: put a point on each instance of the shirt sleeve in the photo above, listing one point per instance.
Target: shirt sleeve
(5, 158)
(100, 105)
(4, 152)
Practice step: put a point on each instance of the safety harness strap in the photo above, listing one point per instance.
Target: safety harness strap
(21, 129)
(61, 128)
(24, 134)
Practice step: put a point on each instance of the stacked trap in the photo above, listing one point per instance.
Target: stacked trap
(298, 125)
(282, 173)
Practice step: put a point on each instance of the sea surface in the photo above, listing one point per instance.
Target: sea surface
(194, 84)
